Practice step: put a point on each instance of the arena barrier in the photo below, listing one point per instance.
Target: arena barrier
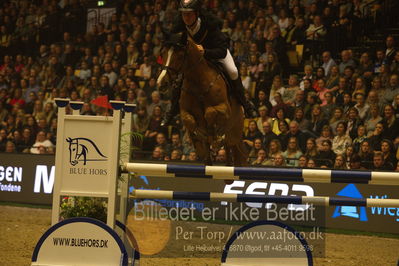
(266, 174)
(214, 196)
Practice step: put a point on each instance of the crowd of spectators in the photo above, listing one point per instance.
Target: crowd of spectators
(341, 110)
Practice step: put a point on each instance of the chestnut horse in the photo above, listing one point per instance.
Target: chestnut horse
(211, 117)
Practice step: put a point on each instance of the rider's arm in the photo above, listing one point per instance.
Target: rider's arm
(218, 49)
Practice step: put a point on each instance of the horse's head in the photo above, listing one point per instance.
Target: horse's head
(73, 151)
(173, 55)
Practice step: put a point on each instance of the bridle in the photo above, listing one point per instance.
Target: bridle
(175, 74)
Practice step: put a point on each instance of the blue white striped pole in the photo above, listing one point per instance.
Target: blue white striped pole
(267, 174)
(214, 196)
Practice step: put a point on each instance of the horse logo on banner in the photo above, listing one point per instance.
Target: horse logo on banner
(79, 149)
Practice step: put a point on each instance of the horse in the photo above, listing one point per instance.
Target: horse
(212, 118)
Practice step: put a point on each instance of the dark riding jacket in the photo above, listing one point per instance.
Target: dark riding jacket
(214, 41)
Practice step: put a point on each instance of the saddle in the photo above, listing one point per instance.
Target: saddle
(222, 71)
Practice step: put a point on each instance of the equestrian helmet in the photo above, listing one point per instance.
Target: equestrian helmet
(190, 5)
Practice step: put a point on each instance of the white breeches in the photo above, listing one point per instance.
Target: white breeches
(229, 65)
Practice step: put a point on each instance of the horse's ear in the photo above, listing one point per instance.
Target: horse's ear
(69, 139)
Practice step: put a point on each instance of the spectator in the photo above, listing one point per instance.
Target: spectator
(346, 61)
(394, 69)
(192, 156)
(295, 132)
(280, 116)
(315, 35)
(157, 154)
(328, 62)
(361, 106)
(390, 122)
(388, 152)
(347, 102)
(340, 90)
(302, 161)
(311, 148)
(221, 156)
(268, 134)
(339, 162)
(355, 163)
(254, 150)
(361, 136)
(276, 87)
(299, 117)
(365, 155)
(317, 120)
(263, 117)
(279, 161)
(299, 34)
(311, 163)
(162, 142)
(175, 155)
(341, 141)
(365, 67)
(353, 122)
(260, 158)
(326, 134)
(329, 105)
(154, 127)
(290, 91)
(274, 150)
(391, 90)
(141, 120)
(293, 152)
(390, 50)
(10, 147)
(333, 78)
(176, 142)
(360, 87)
(379, 163)
(283, 136)
(41, 141)
(271, 70)
(326, 156)
(252, 134)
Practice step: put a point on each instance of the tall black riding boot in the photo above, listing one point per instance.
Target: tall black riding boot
(249, 108)
(174, 107)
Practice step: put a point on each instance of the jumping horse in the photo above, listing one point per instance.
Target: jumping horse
(211, 117)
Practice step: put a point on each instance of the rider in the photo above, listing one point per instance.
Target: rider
(204, 29)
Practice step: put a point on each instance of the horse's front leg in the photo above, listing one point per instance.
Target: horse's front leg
(217, 116)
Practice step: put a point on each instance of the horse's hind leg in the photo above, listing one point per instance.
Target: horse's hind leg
(240, 155)
(202, 149)
(229, 156)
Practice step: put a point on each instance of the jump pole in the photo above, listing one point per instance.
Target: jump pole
(266, 174)
(214, 196)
